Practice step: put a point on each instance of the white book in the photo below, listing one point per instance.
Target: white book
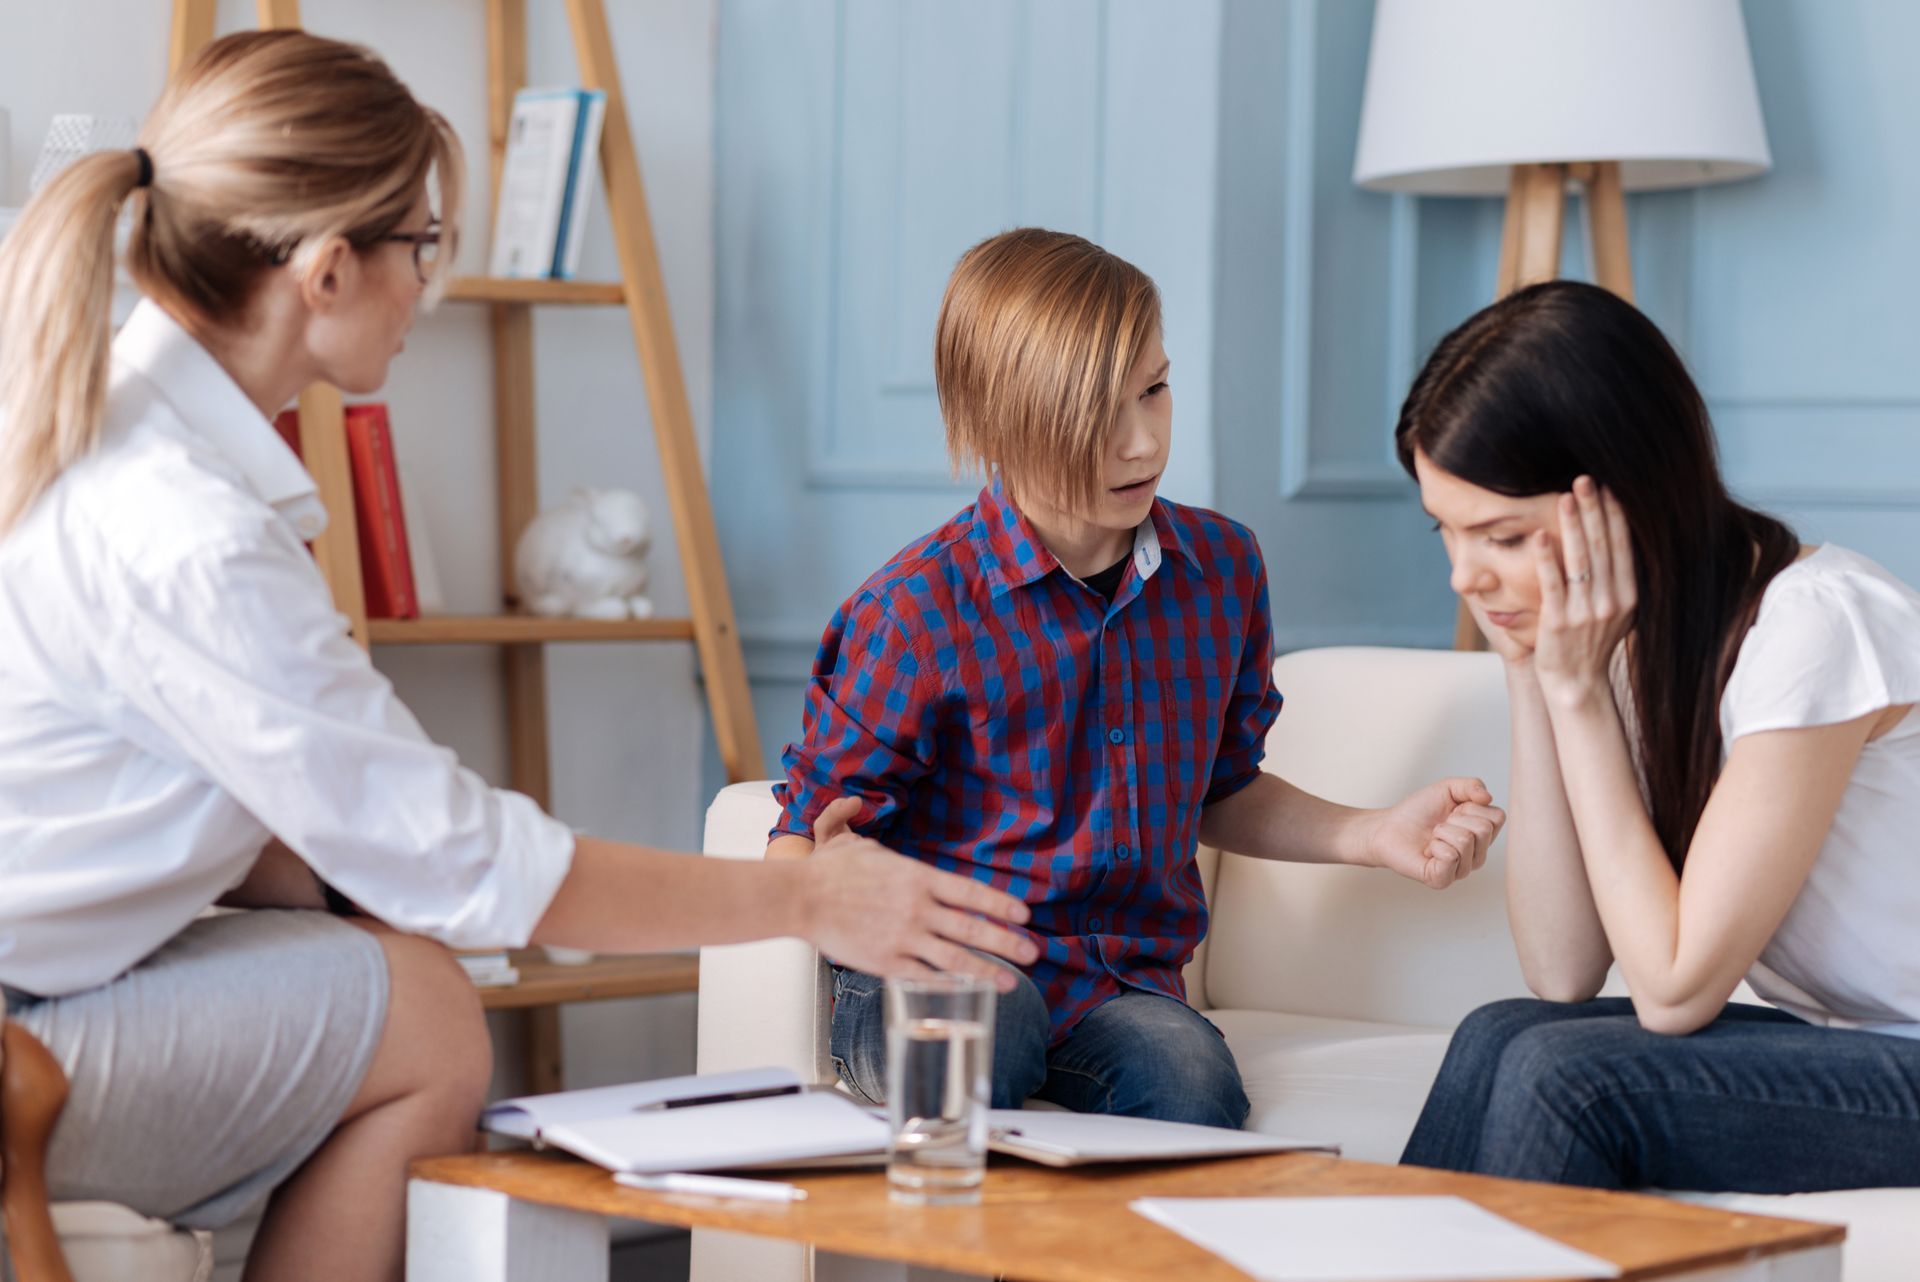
(632, 1129)
(533, 182)
(503, 977)
(1083, 1139)
(580, 184)
(428, 591)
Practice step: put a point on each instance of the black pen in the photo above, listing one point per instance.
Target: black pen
(725, 1097)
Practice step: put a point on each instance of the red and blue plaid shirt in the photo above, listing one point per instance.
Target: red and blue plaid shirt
(1002, 720)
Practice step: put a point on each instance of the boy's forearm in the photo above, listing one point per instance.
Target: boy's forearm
(789, 846)
(1272, 819)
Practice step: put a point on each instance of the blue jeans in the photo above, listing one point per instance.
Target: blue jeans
(1756, 1102)
(1138, 1055)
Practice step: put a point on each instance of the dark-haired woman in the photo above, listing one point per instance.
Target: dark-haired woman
(1716, 776)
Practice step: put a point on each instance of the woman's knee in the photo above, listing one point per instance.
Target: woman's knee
(1481, 1040)
(1563, 1067)
(1498, 1023)
(435, 1041)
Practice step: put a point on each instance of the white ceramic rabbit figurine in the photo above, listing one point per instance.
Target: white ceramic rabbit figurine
(587, 558)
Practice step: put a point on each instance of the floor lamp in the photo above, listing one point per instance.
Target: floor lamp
(1534, 98)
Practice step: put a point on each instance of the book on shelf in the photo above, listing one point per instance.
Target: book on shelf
(546, 183)
(387, 536)
(427, 590)
(573, 216)
(386, 565)
(489, 969)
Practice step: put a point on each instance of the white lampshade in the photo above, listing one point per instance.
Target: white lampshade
(1458, 90)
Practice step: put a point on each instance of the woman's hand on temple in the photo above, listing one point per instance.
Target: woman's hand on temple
(1587, 595)
(876, 911)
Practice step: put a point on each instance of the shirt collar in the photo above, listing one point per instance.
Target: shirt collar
(155, 346)
(1012, 555)
(1169, 534)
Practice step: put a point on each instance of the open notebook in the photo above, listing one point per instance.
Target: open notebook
(762, 1118)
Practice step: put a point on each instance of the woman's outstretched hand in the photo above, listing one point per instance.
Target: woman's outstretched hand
(883, 913)
(1587, 595)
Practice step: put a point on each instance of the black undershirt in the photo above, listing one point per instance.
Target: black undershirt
(1107, 582)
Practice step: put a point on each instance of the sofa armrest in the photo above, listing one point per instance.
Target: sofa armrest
(764, 1004)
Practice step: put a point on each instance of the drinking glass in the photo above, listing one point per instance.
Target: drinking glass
(939, 1071)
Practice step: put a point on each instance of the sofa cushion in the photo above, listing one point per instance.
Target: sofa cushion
(1365, 727)
(1352, 1082)
(108, 1243)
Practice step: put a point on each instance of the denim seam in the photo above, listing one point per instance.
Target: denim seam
(1581, 1116)
(1105, 1088)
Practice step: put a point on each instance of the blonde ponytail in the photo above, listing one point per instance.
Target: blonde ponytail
(266, 146)
(56, 297)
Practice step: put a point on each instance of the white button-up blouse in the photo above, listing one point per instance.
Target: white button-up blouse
(176, 688)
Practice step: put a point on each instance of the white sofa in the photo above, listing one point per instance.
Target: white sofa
(1335, 987)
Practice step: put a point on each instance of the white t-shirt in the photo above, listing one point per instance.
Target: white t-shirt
(176, 686)
(1838, 637)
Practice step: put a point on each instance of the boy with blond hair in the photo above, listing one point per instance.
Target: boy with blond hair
(1063, 689)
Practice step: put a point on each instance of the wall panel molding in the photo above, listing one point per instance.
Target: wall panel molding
(933, 154)
(1309, 469)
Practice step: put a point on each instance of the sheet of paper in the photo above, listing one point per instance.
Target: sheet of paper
(1368, 1239)
(1074, 1138)
(528, 1115)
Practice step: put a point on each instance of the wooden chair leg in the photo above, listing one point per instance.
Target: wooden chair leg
(33, 1090)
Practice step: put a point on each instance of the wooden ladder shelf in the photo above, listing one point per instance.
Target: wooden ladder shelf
(641, 290)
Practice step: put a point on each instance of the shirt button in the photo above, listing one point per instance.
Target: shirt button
(309, 526)
(1121, 850)
(1116, 736)
(1093, 923)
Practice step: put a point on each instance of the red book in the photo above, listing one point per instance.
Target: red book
(287, 423)
(386, 560)
(386, 563)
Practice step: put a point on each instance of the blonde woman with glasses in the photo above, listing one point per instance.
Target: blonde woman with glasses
(184, 719)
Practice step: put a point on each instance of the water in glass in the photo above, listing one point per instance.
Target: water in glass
(938, 1071)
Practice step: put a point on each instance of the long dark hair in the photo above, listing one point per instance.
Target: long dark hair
(1565, 379)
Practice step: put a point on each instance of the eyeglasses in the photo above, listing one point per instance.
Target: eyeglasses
(426, 249)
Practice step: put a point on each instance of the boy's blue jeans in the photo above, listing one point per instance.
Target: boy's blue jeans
(1756, 1102)
(1138, 1055)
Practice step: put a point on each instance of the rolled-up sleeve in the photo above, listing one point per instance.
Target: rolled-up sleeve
(240, 662)
(867, 729)
(1253, 704)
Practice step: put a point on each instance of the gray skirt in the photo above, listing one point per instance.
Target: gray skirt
(204, 1077)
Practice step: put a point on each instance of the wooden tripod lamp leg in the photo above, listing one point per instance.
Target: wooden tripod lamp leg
(1529, 254)
(1607, 221)
(33, 1090)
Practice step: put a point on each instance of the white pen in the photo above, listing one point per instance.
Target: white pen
(713, 1186)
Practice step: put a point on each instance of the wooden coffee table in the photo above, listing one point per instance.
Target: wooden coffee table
(536, 1217)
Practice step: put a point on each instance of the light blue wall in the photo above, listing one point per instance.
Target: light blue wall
(862, 144)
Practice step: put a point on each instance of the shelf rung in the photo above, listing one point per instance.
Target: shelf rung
(498, 289)
(545, 983)
(519, 629)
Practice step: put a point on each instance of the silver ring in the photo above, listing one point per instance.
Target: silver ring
(1583, 577)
